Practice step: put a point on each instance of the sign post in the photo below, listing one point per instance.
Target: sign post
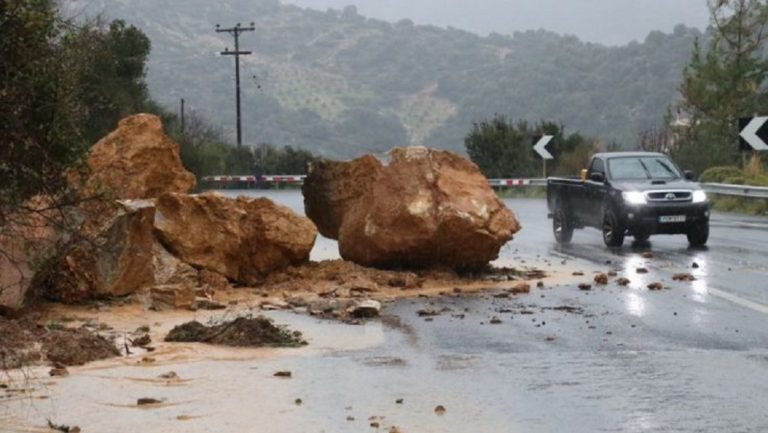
(753, 136)
(540, 145)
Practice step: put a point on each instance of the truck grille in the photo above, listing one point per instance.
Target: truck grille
(669, 196)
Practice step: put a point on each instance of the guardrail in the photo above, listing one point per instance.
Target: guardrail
(736, 190)
(298, 179)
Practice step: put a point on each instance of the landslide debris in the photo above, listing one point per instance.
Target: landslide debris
(25, 342)
(424, 208)
(240, 332)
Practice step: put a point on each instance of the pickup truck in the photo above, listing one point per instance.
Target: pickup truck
(629, 193)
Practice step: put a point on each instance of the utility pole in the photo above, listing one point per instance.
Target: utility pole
(182, 115)
(235, 31)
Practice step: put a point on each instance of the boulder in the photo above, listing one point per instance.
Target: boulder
(242, 239)
(332, 187)
(425, 208)
(27, 240)
(116, 261)
(170, 297)
(137, 161)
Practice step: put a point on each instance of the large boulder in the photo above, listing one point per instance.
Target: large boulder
(243, 239)
(28, 238)
(332, 187)
(424, 208)
(137, 161)
(116, 259)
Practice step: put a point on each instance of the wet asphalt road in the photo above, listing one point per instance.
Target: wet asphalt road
(691, 358)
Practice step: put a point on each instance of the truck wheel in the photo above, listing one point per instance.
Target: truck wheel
(698, 235)
(642, 236)
(613, 231)
(562, 226)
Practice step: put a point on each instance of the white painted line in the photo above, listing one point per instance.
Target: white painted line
(752, 305)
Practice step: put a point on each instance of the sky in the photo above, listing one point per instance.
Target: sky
(609, 22)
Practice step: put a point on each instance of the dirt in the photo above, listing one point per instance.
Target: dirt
(240, 332)
(26, 342)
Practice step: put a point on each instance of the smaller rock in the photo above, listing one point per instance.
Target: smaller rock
(350, 418)
(540, 284)
(521, 287)
(209, 304)
(170, 375)
(655, 286)
(365, 309)
(440, 409)
(612, 273)
(427, 312)
(171, 296)
(648, 255)
(585, 286)
(298, 402)
(642, 270)
(141, 341)
(683, 277)
(623, 281)
(695, 265)
(284, 373)
(375, 424)
(147, 400)
(399, 401)
(58, 372)
(601, 279)
(495, 320)
(578, 274)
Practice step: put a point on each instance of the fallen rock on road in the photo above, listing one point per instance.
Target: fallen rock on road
(424, 208)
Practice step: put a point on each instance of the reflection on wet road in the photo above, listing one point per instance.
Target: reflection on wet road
(689, 358)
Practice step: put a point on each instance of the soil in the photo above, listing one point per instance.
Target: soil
(240, 332)
(25, 342)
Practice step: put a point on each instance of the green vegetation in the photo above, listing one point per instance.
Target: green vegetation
(339, 84)
(736, 176)
(722, 83)
(503, 149)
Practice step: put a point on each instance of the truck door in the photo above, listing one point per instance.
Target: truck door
(594, 194)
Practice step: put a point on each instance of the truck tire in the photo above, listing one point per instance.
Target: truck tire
(698, 235)
(562, 226)
(613, 230)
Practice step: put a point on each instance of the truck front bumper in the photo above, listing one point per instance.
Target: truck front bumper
(651, 218)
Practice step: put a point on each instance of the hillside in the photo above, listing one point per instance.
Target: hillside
(339, 84)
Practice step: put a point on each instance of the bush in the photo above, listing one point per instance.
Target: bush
(720, 174)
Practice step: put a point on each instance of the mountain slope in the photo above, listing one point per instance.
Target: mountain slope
(339, 84)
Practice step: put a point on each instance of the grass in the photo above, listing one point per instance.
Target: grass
(523, 192)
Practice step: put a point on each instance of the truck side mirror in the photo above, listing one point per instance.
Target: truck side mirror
(689, 175)
(597, 177)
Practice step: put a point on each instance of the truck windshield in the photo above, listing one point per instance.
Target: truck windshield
(642, 167)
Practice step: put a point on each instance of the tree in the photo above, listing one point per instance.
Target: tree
(502, 149)
(725, 82)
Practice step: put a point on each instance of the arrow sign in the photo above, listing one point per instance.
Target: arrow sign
(753, 136)
(541, 147)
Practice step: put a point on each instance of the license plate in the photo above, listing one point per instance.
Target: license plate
(672, 219)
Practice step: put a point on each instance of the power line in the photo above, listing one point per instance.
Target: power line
(235, 32)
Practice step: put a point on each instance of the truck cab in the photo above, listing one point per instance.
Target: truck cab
(629, 193)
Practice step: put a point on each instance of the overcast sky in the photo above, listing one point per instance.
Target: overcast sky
(611, 22)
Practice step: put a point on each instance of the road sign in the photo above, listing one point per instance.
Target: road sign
(753, 133)
(543, 148)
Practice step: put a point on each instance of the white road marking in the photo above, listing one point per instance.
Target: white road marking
(752, 305)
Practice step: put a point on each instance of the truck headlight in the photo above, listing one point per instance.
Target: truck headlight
(699, 196)
(633, 197)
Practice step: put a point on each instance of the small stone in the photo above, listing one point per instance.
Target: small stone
(375, 424)
(169, 375)
(655, 286)
(648, 255)
(695, 265)
(623, 281)
(578, 274)
(350, 418)
(284, 373)
(440, 409)
(612, 273)
(298, 402)
(642, 270)
(142, 341)
(58, 372)
(540, 284)
(521, 287)
(495, 320)
(601, 279)
(399, 401)
(147, 400)
(585, 286)
(683, 277)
